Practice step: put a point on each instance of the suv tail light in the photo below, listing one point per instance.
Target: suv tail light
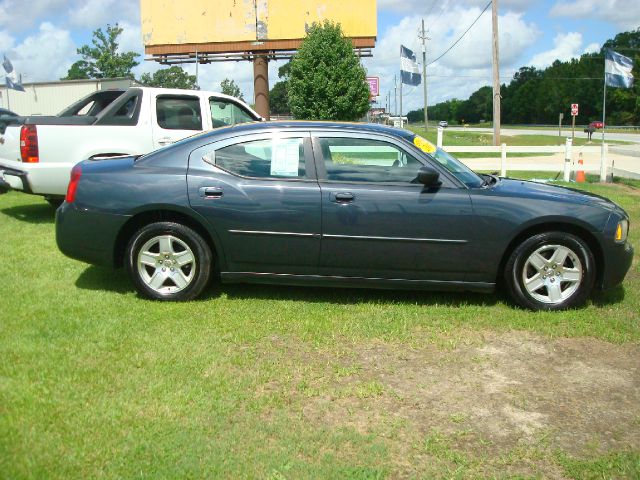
(29, 144)
(76, 173)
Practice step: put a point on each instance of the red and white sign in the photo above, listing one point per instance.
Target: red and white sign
(374, 86)
(574, 109)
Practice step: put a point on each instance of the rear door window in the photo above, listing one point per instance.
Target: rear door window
(177, 112)
(266, 158)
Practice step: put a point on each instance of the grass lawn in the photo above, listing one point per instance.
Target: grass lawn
(282, 383)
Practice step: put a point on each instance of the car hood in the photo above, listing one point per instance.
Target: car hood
(534, 190)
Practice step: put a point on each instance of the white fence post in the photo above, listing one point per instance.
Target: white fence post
(567, 160)
(503, 160)
(603, 161)
(439, 141)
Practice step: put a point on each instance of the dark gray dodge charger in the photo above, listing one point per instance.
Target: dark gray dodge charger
(331, 204)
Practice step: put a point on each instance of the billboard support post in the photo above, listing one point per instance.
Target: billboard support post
(261, 85)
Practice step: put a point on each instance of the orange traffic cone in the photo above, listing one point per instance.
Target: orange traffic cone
(580, 178)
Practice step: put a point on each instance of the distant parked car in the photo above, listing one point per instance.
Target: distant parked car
(4, 111)
(597, 124)
(443, 124)
(333, 204)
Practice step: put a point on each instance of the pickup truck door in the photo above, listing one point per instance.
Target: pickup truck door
(175, 117)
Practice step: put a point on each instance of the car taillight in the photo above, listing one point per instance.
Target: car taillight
(29, 144)
(76, 173)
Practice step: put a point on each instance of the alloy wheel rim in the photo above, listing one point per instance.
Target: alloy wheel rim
(166, 264)
(552, 274)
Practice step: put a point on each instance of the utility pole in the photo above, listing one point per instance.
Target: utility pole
(496, 75)
(423, 37)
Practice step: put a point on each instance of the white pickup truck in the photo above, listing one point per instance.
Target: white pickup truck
(38, 153)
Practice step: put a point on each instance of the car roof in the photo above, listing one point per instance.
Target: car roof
(313, 125)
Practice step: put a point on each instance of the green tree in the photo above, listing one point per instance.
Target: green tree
(229, 87)
(279, 98)
(279, 94)
(327, 81)
(174, 77)
(102, 60)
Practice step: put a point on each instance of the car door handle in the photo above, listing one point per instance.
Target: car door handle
(165, 141)
(210, 192)
(344, 197)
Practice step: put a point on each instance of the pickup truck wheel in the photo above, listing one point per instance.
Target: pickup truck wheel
(168, 261)
(551, 271)
(55, 202)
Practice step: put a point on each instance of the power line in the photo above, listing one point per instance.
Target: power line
(432, 5)
(461, 36)
(442, 9)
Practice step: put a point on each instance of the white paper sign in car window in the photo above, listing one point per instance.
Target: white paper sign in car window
(285, 157)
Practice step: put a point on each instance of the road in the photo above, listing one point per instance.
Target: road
(566, 132)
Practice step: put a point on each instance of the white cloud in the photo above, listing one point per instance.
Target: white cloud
(466, 67)
(6, 40)
(434, 7)
(45, 55)
(18, 15)
(592, 48)
(623, 13)
(565, 47)
(97, 13)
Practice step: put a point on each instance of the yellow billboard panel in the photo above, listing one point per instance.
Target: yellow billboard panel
(236, 25)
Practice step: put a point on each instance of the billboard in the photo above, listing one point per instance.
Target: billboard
(226, 26)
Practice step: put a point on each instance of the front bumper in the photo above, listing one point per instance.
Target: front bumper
(617, 262)
(87, 235)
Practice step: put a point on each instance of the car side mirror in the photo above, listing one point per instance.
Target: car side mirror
(428, 177)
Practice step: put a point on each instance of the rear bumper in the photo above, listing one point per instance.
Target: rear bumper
(87, 235)
(37, 178)
(12, 178)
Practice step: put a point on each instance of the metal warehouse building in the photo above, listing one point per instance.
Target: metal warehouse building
(50, 98)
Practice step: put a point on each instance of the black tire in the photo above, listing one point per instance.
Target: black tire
(55, 202)
(528, 253)
(182, 240)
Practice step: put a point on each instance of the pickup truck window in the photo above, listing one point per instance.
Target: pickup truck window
(92, 104)
(177, 112)
(225, 113)
(123, 111)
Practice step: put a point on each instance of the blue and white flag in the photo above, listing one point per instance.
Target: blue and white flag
(8, 67)
(409, 71)
(617, 70)
(14, 84)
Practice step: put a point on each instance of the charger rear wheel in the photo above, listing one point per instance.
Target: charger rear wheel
(168, 261)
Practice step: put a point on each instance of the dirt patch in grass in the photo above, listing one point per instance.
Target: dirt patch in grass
(497, 403)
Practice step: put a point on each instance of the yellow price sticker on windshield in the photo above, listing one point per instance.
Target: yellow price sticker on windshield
(424, 145)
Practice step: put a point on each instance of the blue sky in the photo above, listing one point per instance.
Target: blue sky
(42, 41)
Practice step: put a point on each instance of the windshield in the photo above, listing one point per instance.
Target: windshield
(451, 163)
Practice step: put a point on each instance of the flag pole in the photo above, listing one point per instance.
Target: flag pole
(8, 102)
(603, 159)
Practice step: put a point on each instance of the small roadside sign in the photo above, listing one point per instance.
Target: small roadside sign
(374, 86)
(574, 109)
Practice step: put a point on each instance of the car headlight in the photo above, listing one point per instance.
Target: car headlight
(622, 231)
